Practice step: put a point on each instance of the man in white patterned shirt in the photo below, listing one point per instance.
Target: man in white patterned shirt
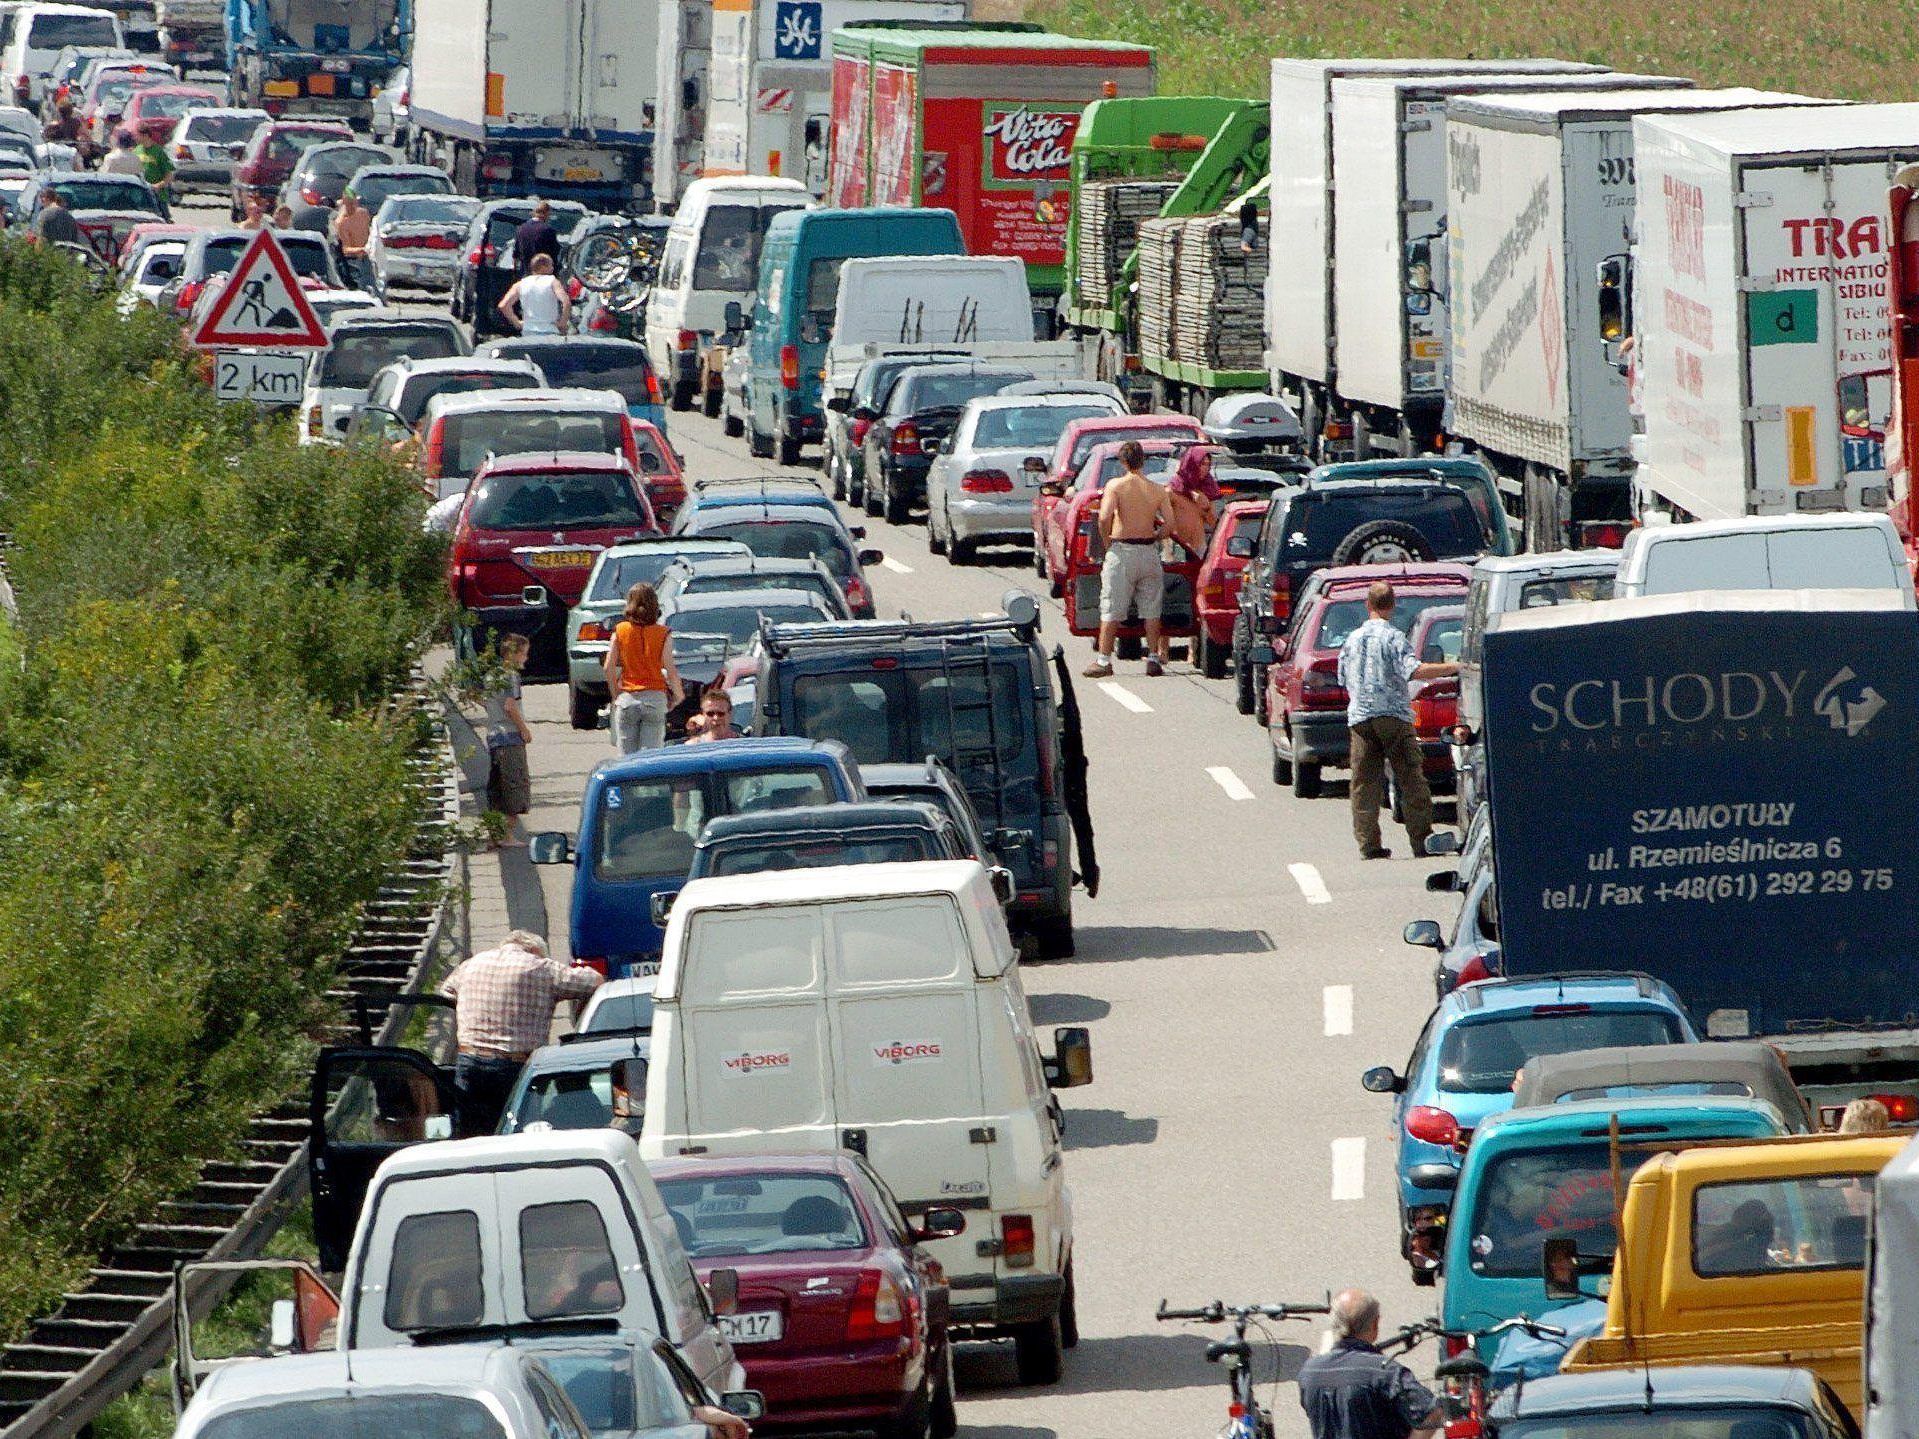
(503, 1003)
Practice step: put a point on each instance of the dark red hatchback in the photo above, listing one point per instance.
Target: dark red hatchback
(842, 1317)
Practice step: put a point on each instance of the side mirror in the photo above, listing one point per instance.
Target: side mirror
(534, 595)
(1034, 464)
(723, 1290)
(549, 847)
(1615, 308)
(1240, 547)
(1072, 1061)
(282, 1327)
(946, 446)
(939, 1224)
(1445, 881)
(1053, 489)
(865, 412)
(735, 317)
(871, 557)
(858, 532)
(1424, 933)
(1261, 655)
(1382, 1079)
(1433, 1176)
(1002, 879)
(1562, 1266)
(1442, 842)
(840, 404)
(661, 908)
(747, 1404)
(1267, 624)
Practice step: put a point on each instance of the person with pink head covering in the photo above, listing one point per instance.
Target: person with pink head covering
(1194, 493)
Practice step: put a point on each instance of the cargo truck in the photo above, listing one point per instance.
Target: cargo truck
(977, 121)
(1720, 789)
(192, 32)
(1299, 292)
(1762, 336)
(1539, 213)
(518, 98)
(315, 57)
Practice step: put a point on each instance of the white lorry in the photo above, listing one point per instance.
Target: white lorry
(1539, 213)
(1299, 289)
(746, 86)
(1761, 342)
(520, 98)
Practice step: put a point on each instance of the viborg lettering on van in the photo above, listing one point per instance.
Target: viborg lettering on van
(765, 1061)
(1731, 697)
(920, 1051)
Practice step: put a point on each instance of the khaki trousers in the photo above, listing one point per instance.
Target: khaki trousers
(1376, 743)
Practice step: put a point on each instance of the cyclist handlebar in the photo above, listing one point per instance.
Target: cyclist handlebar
(1217, 1311)
(1413, 1334)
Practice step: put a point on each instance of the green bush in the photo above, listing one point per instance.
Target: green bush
(203, 775)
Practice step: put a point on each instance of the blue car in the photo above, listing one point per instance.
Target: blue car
(1534, 1175)
(1462, 1067)
(641, 815)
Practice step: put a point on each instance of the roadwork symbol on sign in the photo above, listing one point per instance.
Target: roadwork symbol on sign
(262, 304)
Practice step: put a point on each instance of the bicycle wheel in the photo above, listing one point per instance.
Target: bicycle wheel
(604, 261)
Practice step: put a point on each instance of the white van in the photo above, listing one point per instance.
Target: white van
(712, 256)
(878, 1008)
(32, 37)
(528, 1229)
(1787, 552)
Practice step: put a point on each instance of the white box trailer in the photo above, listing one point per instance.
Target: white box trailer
(1390, 235)
(538, 97)
(1299, 296)
(1540, 197)
(759, 75)
(1762, 343)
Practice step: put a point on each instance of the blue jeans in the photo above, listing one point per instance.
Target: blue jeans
(483, 1085)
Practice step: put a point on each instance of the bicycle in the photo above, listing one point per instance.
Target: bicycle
(1246, 1417)
(1463, 1375)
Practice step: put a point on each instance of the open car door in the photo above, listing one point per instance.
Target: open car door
(367, 1102)
(303, 1321)
(1073, 767)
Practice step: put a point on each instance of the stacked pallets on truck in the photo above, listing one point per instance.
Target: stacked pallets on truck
(1159, 242)
(1110, 214)
(1201, 296)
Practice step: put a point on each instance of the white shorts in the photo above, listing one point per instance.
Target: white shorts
(1131, 580)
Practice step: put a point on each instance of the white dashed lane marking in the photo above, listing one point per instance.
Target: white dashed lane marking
(889, 563)
(1234, 786)
(1349, 1169)
(1338, 999)
(1117, 691)
(1306, 876)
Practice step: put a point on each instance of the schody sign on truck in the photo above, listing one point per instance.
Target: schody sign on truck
(1721, 790)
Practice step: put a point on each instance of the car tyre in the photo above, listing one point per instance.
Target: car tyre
(1038, 1351)
(582, 710)
(1305, 780)
(1383, 542)
(788, 446)
(1053, 937)
(1262, 711)
(870, 500)
(1039, 558)
(915, 1421)
(1282, 767)
(711, 403)
(945, 1392)
(1242, 671)
(1212, 658)
(1069, 1311)
(682, 394)
(963, 552)
(733, 426)
(936, 542)
(759, 446)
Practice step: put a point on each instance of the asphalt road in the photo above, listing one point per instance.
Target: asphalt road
(1239, 971)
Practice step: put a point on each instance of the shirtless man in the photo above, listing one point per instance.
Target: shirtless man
(1134, 515)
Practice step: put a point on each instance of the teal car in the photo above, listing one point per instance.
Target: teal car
(792, 319)
(589, 624)
(1532, 1175)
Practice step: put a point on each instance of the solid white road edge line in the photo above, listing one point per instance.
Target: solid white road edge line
(1349, 1169)
(1306, 876)
(1234, 786)
(1338, 1001)
(1117, 691)
(889, 563)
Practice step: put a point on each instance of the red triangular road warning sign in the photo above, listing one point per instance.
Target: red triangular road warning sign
(262, 304)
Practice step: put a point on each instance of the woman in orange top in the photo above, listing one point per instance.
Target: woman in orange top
(640, 674)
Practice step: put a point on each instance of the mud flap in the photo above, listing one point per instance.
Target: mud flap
(1073, 767)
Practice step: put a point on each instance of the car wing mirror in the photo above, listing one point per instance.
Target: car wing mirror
(1034, 464)
(723, 1290)
(1002, 879)
(549, 847)
(939, 1224)
(858, 532)
(1442, 841)
(1072, 1061)
(1382, 1079)
(282, 1327)
(747, 1404)
(735, 316)
(1053, 489)
(1424, 933)
(839, 405)
(1433, 1176)
(1240, 548)
(871, 557)
(661, 907)
(1446, 881)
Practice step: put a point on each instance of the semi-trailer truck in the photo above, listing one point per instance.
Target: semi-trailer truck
(315, 57)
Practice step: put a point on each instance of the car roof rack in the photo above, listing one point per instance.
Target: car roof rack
(761, 482)
(780, 640)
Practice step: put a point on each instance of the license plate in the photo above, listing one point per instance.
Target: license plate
(562, 559)
(647, 968)
(581, 172)
(761, 1327)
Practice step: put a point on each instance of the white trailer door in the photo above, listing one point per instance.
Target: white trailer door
(619, 77)
(533, 61)
(1818, 357)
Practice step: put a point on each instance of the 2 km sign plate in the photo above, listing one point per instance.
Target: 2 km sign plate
(261, 304)
(255, 375)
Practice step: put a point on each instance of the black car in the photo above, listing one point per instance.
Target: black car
(980, 696)
(486, 270)
(849, 416)
(1389, 519)
(919, 413)
(1701, 1401)
(933, 782)
(320, 177)
(815, 836)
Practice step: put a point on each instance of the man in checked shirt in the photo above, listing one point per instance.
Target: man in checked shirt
(503, 1003)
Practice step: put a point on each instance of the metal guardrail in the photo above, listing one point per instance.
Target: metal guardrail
(114, 1328)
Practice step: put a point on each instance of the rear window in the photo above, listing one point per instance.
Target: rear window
(414, 402)
(110, 195)
(1482, 1056)
(448, 210)
(566, 1261)
(901, 716)
(561, 500)
(52, 32)
(629, 1010)
(823, 285)
(713, 584)
(360, 354)
(434, 1279)
(1446, 518)
(729, 255)
(612, 1093)
(790, 540)
(729, 1218)
(1525, 1199)
(1442, 641)
(798, 853)
(285, 144)
(172, 107)
(1036, 428)
(340, 164)
(308, 258)
(1084, 444)
(617, 1391)
(940, 392)
(221, 129)
(471, 438)
(1583, 590)
(1766, 1226)
(616, 576)
(647, 826)
(596, 367)
(739, 623)
(1799, 559)
(1111, 467)
(372, 190)
(366, 1415)
(1342, 617)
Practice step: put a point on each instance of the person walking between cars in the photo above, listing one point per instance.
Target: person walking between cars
(503, 1003)
(55, 225)
(1134, 516)
(1375, 665)
(509, 785)
(640, 674)
(156, 165)
(352, 227)
(1352, 1391)
(539, 304)
(124, 160)
(1194, 495)
(535, 236)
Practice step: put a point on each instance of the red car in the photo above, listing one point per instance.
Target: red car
(1076, 442)
(1074, 550)
(1217, 593)
(1304, 699)
(1435, 638)
(152, 113)
(272, 153)
(841, 1321)
(529, 530)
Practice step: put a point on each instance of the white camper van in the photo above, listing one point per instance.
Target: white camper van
(878, 1008)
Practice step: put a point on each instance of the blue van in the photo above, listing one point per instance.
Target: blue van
(642, 813)
(1532, 1175)
(792, 318)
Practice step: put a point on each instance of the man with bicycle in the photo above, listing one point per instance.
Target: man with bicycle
(1353, 1391)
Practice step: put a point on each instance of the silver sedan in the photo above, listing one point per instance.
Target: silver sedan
(980, 490)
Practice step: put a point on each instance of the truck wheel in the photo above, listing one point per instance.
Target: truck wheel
(1069, 1312)
(1362, 436)
(682, 394)
(1242, 670)
(582, 710)
(1053, 936)
(1305, 780)
(1037, 1351)
(1212, 658)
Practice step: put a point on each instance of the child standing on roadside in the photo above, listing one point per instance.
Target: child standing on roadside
(509, 784)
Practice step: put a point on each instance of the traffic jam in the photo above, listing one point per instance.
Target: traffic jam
(935, 529)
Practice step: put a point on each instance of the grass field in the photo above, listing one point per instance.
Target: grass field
(1221, 47)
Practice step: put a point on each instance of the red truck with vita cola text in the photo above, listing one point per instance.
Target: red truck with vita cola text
(976, 120)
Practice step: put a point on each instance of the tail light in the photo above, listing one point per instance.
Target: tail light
(594, 630)
(1319, 686)
(1900, 1108)
(1474, 970)
(986, 482)
(182, 152)
(1467, 1426)
(856, 432)
(856, 596)
(312, 195)
(1453, 1345)
(790, 366)
(1049, 854)
(480, 255)
(653, 395)
(402, 102)
(1559, 1011)
(688, 340)
(316, 423)
(1432, 1126)
(905, 439)
(189, 292)
(603, 322)
(1604, 534)
(497, 167)
(1283, 596)
(592, 961)
(879, 1309)
(1016, 1240)
(433, 464)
